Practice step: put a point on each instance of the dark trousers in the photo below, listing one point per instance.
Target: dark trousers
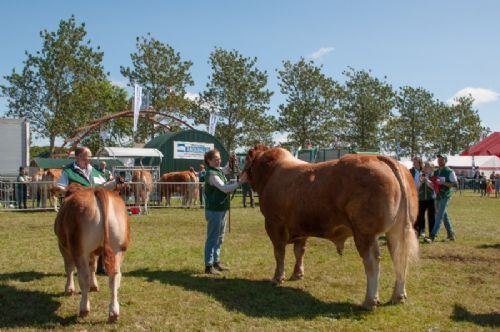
(249, 193)
(431, 216)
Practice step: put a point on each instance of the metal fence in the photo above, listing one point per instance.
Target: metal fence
(24, 196)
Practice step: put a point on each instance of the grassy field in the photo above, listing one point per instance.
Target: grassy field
(454, 286)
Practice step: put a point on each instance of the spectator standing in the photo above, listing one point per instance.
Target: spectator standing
(426, 201)
(105, 172)
(497, 185)
(482, 184)
(416, 170)
(247, 191)
(201, 180)
(446, 179)
(22, 188)
(477, 176)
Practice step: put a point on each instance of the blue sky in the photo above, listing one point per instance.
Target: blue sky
(447, 47)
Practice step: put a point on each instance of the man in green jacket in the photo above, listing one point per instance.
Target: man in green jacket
(82, 172)
(447, 180)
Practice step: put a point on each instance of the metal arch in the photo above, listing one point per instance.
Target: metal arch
(84, 131)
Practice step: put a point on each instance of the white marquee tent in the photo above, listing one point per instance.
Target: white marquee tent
(462, 165)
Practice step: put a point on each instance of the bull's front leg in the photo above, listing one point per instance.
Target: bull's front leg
(369, 251)
(279, 255)
(299, 249)
(278, 236)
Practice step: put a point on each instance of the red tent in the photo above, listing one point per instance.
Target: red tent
(490, 146)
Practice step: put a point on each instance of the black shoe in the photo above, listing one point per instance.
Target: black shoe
(451, 237)
(219, 267)
(211, 270)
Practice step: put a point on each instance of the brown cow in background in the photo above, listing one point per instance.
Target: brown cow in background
(184, 183)
(44, 186)
(90, 222)
(359, 195)
(142, 186)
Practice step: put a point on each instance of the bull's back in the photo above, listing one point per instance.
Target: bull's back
(313, 198)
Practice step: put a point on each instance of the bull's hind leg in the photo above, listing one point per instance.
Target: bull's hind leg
(114, 285)
(94, 286)
(368, 249)
(69, 267)
(402, 243)
(82, 266)
(299, 249)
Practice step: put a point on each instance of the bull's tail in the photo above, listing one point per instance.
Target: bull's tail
(404, 244)
(108, 256)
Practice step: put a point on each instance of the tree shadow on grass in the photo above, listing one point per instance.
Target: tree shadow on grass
(25, 308)
(461, 314)
(256, 298)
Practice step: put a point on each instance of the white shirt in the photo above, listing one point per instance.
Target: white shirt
(215, 181)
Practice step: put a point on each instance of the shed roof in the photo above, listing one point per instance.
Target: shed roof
(119, 152)
(61, 163)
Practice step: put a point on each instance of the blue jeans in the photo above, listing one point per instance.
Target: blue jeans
(442, 216)
(216, 226)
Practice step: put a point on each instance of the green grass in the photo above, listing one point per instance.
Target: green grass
(454, 286)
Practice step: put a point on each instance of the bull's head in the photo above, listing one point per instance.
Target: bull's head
(253, 154)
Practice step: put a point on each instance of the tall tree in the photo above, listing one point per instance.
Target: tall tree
(108, 99)
(160, 70)
(458, 126)
(237, 92)
(366, 105)
(309, 113)
(44, 91)
(409, 129)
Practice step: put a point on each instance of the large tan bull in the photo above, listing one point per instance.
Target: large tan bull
(359, 195)
(92, 221)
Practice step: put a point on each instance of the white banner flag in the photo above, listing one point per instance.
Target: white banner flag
(137, 104)
(212, 123)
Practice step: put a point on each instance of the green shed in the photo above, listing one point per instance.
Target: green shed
(183, 149)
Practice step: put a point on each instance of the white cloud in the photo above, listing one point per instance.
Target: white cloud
(280, 137)
(321, 52)
(480, 95)
(119, 83)
(192, 96)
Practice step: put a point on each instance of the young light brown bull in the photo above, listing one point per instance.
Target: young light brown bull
(359, 195)
(92, 221)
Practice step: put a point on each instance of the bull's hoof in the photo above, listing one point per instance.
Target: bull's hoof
(69, 292)
(84, 313)
(297, 276)
(278, 281)
(398, 299)
(94, 289)
(370, 305)
(112, 318)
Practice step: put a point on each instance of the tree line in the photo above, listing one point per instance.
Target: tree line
(64, 86)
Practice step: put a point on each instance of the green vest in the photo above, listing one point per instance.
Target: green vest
(106, 173)
(215, 200)
(76, 176)
(444, 191)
